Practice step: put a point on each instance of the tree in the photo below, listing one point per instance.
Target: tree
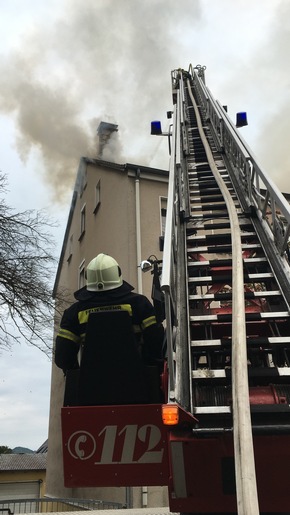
(26, 266)
(5, 450)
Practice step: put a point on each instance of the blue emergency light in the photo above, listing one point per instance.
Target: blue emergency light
(156, 128)
(241, 119)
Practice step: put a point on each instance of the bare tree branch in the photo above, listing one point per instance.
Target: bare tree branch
(27, 266)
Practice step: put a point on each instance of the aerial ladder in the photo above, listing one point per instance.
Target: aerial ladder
(220, 440)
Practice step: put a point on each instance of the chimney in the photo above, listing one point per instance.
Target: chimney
(104, 132)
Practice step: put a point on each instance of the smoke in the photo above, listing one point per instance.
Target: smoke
(258, 81)
(274, 135)
(105, 60)
(47, 119)
(111, 60)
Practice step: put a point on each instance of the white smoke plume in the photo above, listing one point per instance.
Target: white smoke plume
(111, 60)
(274, 134)
(257, 80)
(101, 59)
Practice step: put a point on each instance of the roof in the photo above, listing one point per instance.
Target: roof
(15, 462)
(124, 167)
(43, 448)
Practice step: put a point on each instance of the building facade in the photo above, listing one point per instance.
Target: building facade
(22, 476)
(118, 210)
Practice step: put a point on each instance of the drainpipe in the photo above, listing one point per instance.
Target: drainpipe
(128, 503)
(144, 496)
(144, 489)
(138, 231)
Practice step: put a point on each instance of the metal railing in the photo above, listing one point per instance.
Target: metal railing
(168, 281)
(174, 260)
(258, 194)
(259, 190)
(49, 505)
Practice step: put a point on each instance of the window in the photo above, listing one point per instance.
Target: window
(82, 278)
(82, 176)
(163, 211)
(83, 221)
(97, 196)
(70, 248)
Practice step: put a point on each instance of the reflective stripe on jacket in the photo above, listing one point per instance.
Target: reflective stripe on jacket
(72, 330)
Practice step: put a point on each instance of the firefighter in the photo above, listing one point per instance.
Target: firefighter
(106, 290)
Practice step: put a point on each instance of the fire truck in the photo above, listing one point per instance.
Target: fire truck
(219, 439)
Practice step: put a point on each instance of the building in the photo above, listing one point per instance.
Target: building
(22, 476)
(119, 210)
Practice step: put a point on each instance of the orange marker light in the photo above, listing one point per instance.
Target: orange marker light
(170, 414)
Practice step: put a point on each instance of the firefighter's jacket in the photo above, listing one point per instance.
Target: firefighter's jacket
(72, 332)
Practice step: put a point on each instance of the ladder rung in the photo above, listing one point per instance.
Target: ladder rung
(196, 218)
(224, 278)
(249, 316)
(207, 373)
(228, 296)
(195, 197)
(255, 408)
(211, 188)
(255, 260)
(206, 343)
(223, 262)
(271, 340)
(214, 207)
(193, 171)
(284, 371)
(211, 227)
(221, 248)
(279, 339)
(211, 410)
(204, 237)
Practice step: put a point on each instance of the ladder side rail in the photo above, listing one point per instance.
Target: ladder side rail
(183, 190)
(247, 498)
(183, 386)
(168, 280)
(197, 70)
(211, 110)
(202, 93)
(183, 118)
(216, 120)
(230, 143)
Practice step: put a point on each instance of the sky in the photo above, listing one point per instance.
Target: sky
(65, 65)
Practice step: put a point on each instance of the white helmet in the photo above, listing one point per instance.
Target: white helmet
(103, 273)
